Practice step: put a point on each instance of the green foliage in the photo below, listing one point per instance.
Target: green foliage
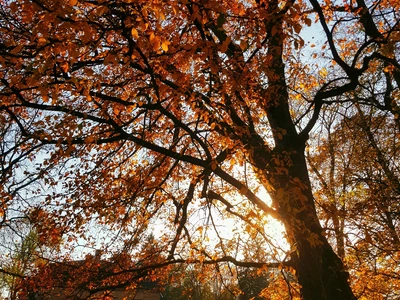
(19, 265)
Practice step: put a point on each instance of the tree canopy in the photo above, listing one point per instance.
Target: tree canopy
(129, 115)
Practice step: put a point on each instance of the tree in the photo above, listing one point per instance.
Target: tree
(19, 264)
(252, 283)
(356, 191)
(130, 111)
(184, 283)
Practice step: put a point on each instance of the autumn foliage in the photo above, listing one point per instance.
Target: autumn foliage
(123, 117)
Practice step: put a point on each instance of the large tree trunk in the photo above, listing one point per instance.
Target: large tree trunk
(319, 270)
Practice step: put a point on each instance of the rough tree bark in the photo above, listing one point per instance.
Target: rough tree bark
(320, 271)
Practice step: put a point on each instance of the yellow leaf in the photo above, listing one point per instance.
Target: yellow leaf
(323, 72)
(164, 45)
(155, 41)
(134, 33)
(152, 37)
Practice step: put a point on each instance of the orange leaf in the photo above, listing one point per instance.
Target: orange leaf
(224, 46)
(134, 33)
(164, 45)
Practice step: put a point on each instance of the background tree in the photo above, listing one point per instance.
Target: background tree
(19, 261)
(252, 283)
(130, 112)
(186, 282)
(357, 196)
